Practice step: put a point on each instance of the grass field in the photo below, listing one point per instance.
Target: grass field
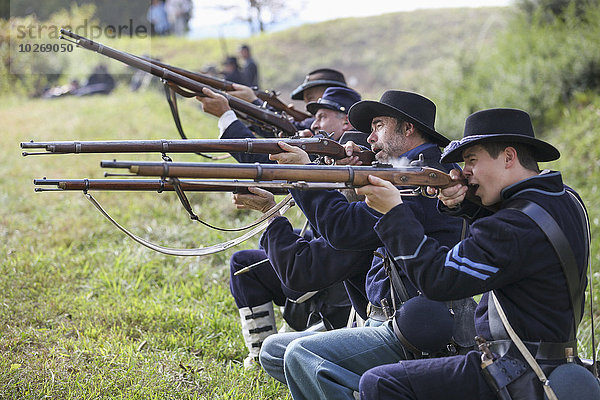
(87, 313)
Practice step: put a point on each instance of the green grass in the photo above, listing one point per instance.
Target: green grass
(87, 313)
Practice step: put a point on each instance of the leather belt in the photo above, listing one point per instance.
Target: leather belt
(540, 350)
(376, 313)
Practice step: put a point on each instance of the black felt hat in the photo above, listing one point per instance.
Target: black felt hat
(319, 77)
(407, 106)
(499, 125)
(335, 98)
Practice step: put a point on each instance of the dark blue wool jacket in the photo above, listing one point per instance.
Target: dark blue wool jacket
(237, 130)
(505, 251)
(304, 265)
(349, 226)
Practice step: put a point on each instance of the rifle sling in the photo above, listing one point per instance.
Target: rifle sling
(562, 248)
(284, 205)
(188, 207)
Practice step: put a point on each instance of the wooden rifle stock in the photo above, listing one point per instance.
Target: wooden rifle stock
(267, 117)
(315, 145)
(349, 176)
(268, 96)
(137, 185)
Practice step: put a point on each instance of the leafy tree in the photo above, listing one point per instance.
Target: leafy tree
(259, 14)
(550, 9)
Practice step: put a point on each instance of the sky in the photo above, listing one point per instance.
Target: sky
(209, 21)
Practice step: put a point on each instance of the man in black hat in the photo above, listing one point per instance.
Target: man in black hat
(329, 365)
(528, 259)
(316, 82)
(270, 281)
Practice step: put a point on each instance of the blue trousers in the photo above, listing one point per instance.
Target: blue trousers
(259, 285)
(329, 364)
(452, 378)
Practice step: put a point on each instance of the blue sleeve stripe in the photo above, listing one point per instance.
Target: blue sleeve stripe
(414, 255)
(463, 264)
(460, 268)
(472, 264)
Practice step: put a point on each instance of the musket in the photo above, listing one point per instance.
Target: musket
(186, 86)
(137, 185)
(268, 96)
(306, 176)
(314, 145)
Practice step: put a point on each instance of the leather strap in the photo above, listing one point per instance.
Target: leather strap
(558, 240)
(524, 351)
(542, 350)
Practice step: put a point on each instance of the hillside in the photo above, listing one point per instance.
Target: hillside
(395, 50)
(376, 53)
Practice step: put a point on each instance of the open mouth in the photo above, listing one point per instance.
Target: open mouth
(473, 187)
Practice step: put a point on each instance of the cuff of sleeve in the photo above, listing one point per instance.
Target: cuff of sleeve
(225, 120)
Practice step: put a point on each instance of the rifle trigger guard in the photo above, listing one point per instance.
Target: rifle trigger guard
(424, 192)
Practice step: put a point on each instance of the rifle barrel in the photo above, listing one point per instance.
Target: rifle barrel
(268, 96)
(352, 176)
(156, 185)
(314, 145)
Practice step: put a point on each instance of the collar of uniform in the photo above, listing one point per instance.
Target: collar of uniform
(547, 182)
(430, 151)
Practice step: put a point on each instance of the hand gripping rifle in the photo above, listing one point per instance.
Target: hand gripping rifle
(315, 145)
(188, 87)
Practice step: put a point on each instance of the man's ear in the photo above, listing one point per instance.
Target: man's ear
(510, 157)
(409, 128)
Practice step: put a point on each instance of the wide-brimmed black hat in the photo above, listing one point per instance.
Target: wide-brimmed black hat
(319, 77)
(499, 125)
(407, 106)
(335, 98)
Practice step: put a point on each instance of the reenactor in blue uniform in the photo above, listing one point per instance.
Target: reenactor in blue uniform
(329, 364)
(257, 290)
(528, 259)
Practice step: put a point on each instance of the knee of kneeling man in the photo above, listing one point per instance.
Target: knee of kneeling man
(292, 351)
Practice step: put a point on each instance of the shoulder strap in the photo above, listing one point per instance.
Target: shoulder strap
(556, 237)
(523, 349)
